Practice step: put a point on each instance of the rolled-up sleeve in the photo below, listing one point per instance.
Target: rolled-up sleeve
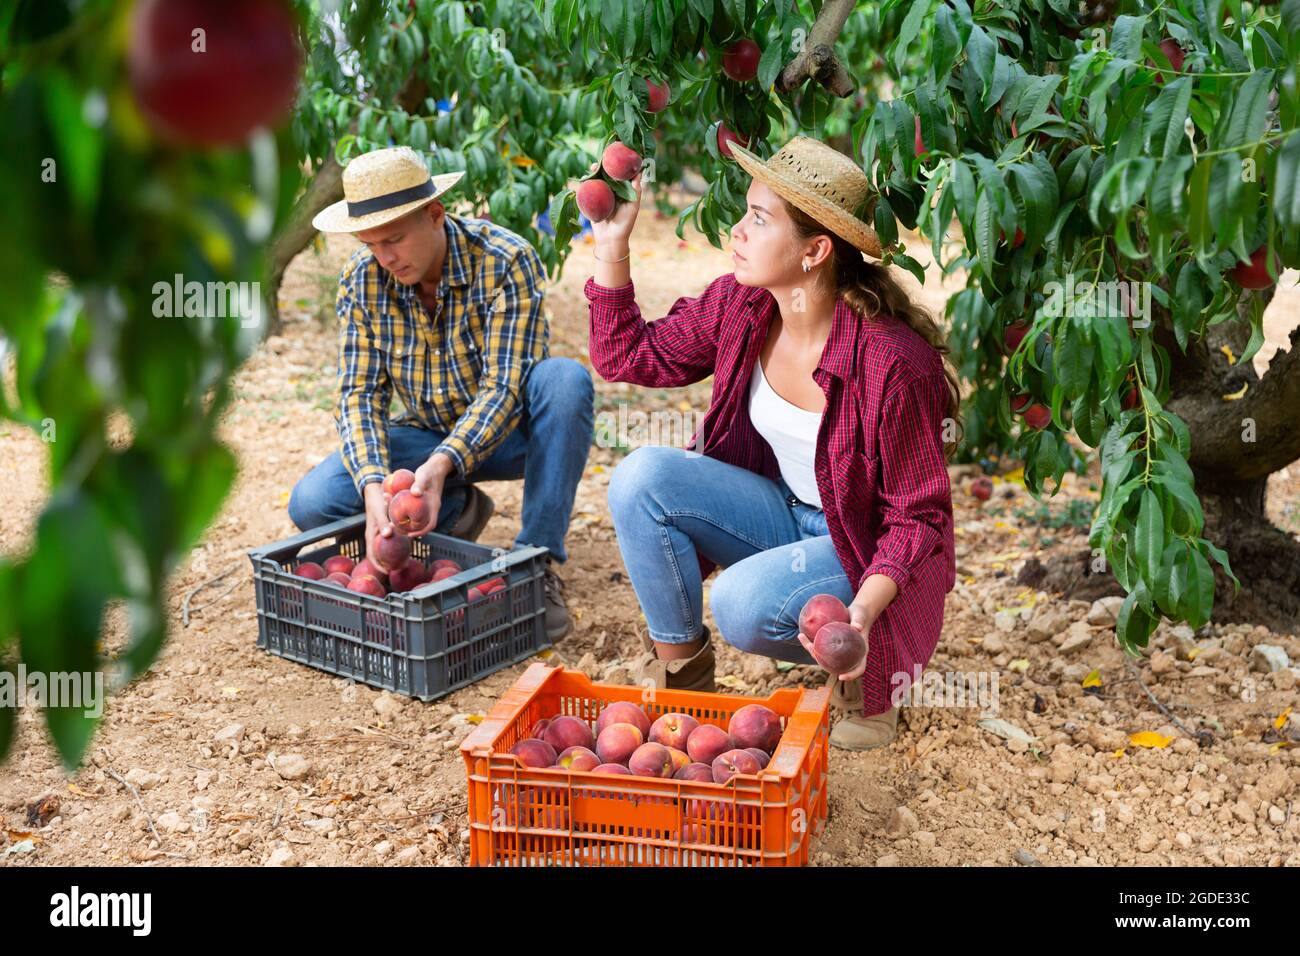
(914, 492)
(364, 392)
(514, 339)
(678, 349)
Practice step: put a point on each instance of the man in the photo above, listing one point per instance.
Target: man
(445, 313)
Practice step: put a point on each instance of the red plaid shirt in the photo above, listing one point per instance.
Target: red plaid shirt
(879, 461)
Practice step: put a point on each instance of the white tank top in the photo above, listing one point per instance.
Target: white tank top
(791, 432)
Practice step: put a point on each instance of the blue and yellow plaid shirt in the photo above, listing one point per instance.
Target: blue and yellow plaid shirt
(460, 372)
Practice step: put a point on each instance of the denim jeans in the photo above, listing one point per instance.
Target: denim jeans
(667, 503)
(548, 450)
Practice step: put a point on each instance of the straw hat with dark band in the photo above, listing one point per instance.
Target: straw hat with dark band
(381, 186)
(821, 181)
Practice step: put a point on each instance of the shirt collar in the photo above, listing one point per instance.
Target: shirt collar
(842, 346)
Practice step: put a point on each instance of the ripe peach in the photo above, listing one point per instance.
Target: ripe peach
(566, 731)
(700, 772)
(761, 756)
(1038, 416)
(727, 136)
(367, 585)
(577, 758)
(409, 513)
(727, 765)
(400, 480)
(612, 768)
(1020, 402)
(982, 488)
(740, 62)
(651, 760)
(245, 77)
(707, 741)
(617, 742)
(339, 578)
(474, 595)
(821, 609)
(534, 753)
(340, 563)
(839, 648)
(620, 162)
(311, 570)
(624, 712)
(409, 576)
(1014, 334)
(444, 573)
(391, 551)
(673, 730)
(595, 200)
(755, 726)
(1130, 399)
(1173, 53)
(1254, 274)
(539, 728)
(918, 144)
(445, 563)
(366, 566)
(680, 758)
(491, 585)
(658, 95)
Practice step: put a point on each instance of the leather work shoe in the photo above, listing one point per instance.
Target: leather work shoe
(854, 731)
(478, 510)
(685, 673)
(558, 621)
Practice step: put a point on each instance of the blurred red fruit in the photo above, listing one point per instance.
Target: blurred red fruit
(740, 62)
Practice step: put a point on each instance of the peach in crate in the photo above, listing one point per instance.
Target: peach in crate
(547, 816)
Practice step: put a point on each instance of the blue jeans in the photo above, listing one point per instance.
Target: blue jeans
(548, 450)
(667, 503)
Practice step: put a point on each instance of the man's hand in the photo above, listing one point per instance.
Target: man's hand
(429, 481)
(377, 523)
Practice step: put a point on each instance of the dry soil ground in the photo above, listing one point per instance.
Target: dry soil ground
(382, 782)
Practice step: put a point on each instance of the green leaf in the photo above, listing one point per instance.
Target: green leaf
(770, 64)
(985, 235)
(1286, 188)
(1149, 535)
(1165, 117)
(1133, 624)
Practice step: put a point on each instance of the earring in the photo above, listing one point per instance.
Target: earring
(806, 267)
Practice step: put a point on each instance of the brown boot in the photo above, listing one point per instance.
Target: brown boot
(685, 673)
(853, 731)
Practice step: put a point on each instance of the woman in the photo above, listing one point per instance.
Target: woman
(820, 466)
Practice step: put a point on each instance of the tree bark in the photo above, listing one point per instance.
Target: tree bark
(325, 188)
(818, 60)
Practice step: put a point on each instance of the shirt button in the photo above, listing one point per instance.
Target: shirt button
(397, 352)
(792, 501)
(437, 351)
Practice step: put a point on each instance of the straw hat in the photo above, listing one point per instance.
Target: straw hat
(380, 186)
(821, 181)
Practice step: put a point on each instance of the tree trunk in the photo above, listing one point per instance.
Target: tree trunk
(1236, 445)
(326, 187)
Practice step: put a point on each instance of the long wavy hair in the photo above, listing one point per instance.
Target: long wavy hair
(869, 290)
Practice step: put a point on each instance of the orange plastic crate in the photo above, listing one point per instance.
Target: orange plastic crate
(526, 816)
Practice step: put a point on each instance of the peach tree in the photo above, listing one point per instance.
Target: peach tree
(1121, 187)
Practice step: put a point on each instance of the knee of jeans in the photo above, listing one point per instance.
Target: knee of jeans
(638, 476)
(304, 510)
(738, 610)
(567, 380)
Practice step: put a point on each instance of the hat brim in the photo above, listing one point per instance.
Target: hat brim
(823, 210)
(335, 218)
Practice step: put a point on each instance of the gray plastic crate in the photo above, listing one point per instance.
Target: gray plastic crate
(425, 643)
